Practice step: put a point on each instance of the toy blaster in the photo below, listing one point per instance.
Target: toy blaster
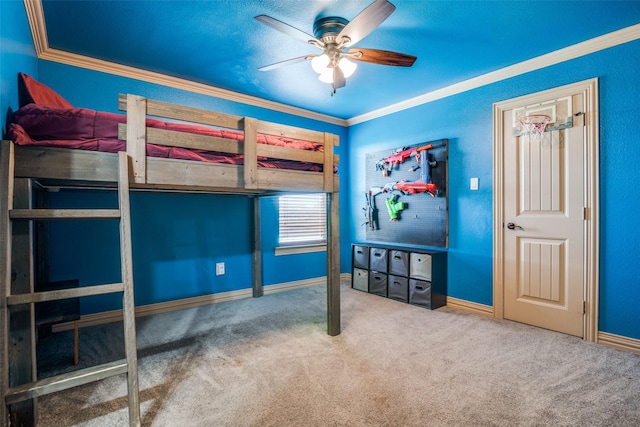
(370, 211)
(415, 187)
(407, 187)
(424, 165)
(399, 156)
(394, 207)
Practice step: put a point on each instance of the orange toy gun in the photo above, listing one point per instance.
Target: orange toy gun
(415, 187)
(399, 156)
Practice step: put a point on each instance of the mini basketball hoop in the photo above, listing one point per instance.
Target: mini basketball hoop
(533, 124)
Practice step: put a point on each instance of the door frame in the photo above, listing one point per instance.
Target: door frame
(589, 88)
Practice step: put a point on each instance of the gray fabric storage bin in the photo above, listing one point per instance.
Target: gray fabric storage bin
(398, 288)
(361, 256)
(378, 259)
(378, 283)
(398, 262)
(420, 266)
(360, 279)
(420, 293)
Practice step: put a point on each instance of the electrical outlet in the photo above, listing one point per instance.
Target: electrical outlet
(219, 268)
(474, 183)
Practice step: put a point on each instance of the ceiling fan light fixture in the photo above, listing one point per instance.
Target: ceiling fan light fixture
(347, 67)
(319, 63)
(326, 76)
(332, 35)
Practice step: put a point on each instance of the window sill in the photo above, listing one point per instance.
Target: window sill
(301, 249)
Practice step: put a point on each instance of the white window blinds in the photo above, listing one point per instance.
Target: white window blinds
(302, 219)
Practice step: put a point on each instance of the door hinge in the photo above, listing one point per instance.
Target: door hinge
(584, 307)
(585, 214)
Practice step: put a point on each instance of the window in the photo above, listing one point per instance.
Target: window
(303, 220)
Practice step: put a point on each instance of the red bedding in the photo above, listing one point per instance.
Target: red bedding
(85, 129)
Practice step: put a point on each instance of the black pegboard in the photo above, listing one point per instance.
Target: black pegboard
(423, 221)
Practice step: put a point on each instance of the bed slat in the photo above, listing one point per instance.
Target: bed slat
(171, 138)
(65, 164)
(291, 132)
(188, 114)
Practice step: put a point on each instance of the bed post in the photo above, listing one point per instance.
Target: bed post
(333, 264)
(137, 136)
(250, 151)
(258, 290)
(18, 338)
(333, 238)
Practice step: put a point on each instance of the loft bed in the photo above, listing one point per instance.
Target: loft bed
(225, 154)
(303, 160)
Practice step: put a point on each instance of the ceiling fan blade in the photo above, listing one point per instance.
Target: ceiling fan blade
(286, 62)
(338, 78)
(367, 21)
(382, 57)
(286, 29)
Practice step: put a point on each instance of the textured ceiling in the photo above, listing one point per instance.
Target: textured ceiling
(219, 43)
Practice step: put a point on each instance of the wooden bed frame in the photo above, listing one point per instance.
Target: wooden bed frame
(60, 166)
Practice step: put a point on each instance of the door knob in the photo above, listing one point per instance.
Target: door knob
(512, 226)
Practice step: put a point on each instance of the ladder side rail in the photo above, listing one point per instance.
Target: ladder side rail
(128, 305)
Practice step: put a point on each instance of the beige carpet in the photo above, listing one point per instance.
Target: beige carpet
(269, 362)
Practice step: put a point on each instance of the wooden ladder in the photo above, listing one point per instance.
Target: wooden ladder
(15, 393)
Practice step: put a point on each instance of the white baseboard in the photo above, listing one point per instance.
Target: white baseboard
(604, 338)
(474, 307)
(619, 342)
(165, 307)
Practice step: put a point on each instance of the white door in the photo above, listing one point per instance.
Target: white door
(544, 209)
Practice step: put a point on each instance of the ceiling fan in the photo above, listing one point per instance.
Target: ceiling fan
(335, 36)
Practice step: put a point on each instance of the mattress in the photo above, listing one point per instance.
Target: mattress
(86, 129)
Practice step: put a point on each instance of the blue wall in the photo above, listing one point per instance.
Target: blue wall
(466, 119)
(16, 54)
(176, 238)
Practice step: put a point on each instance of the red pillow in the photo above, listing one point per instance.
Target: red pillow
(33, 92)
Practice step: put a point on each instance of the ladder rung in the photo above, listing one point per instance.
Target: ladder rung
(64, 294)
(65, 381)
(50, 214)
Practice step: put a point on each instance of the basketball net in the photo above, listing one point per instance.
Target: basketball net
(533, 126)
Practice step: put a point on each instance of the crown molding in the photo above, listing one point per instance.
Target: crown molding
(35, 16)
(587, 47)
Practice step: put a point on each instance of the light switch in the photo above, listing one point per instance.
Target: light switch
(474, 183)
